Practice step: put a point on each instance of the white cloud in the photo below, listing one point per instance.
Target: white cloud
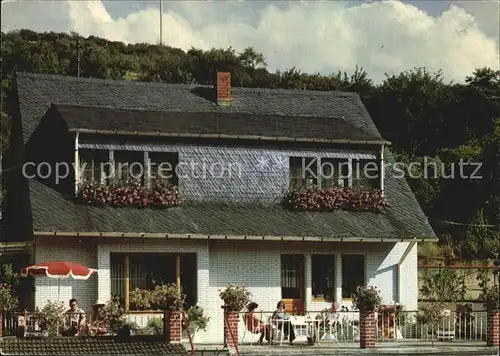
(383, 37)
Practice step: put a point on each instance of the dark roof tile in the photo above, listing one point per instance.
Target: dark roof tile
(403, 219)
(76, 346)
(228, 123)
(38, 91)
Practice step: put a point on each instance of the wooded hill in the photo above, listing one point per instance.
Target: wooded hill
(417, 111)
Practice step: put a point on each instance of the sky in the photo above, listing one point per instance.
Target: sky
(383, 37)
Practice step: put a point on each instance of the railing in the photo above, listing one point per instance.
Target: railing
(343, 327)
(29, 324)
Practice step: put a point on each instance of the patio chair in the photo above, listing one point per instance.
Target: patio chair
(252, 329)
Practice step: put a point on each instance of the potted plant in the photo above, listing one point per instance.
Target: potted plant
(117, 319)
(366, 299)
(51, 318)
(140, 299)
(197, 320)
(235, 298)
(170, 299)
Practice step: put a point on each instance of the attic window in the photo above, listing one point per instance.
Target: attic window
(365, 174)
(128, 165)
(92, 165)
(334, 172)
(163, 168)
(303, 172)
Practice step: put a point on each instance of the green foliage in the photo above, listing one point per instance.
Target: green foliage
(9, 288)
(429, 315)
(140, 299)
(8, 301)
(115, 314)
(443, 285)
(366, 298)
(51, 318)
(168, 296)
(156, 324)
(197, 319)
(491, 298)
(235, 297)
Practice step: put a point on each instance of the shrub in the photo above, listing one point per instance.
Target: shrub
(490, 298)
(140, 299)
(366, 298)
(8, 302)
(156, 324)
(51, 318)
(168, 297)
(115, 313)
(235, 297)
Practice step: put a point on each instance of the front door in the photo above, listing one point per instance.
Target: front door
(292, 283)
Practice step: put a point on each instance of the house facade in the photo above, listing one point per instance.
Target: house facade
(213, 168)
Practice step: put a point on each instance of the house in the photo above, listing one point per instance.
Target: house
(231, 156)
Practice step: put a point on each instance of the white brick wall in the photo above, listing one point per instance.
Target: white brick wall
(255, 265)
(54, 249)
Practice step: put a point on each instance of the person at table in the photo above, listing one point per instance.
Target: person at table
(282, 320)
(256, 325)
(75, 318)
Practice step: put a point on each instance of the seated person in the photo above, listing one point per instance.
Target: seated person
(75, 319)
(255, 325)
(99, 325)
(282, 320)
(332, 315)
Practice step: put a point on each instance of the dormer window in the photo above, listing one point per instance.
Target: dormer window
(303, 172)
(92, 165)
(365, 174)
(129, 166)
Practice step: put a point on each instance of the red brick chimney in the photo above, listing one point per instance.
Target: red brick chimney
(224, 96)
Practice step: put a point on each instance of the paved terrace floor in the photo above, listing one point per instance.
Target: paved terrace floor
(345, 349)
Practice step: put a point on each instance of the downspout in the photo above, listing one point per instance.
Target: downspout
(77, 163)
(401, 261)
(382, 169)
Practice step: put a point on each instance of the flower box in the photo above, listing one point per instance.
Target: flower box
(330, 199)
(128, 194)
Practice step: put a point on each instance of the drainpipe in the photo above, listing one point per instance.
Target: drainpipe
(382, 168)
(401, 260)
(77, 163)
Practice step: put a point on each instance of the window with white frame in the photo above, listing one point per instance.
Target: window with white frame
(128, 165)
(334, 172)
(365, 174)
(303, 172)
(353, 274)
(322, 277)
(92, 165)
(162, 168)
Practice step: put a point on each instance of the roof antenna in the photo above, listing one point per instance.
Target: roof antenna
(78, 57)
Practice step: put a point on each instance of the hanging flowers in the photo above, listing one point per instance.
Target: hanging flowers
(329, 199)
(128, 194)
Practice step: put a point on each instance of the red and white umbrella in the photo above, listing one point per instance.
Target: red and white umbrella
(58, 270)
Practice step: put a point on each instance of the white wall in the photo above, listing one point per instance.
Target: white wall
(54, 249)
(255, 265)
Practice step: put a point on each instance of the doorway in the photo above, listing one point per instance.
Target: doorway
(292, 283)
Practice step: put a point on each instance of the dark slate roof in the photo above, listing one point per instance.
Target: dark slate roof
(77, 346)
(228, 123)
(38, 91)
(403, 219)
